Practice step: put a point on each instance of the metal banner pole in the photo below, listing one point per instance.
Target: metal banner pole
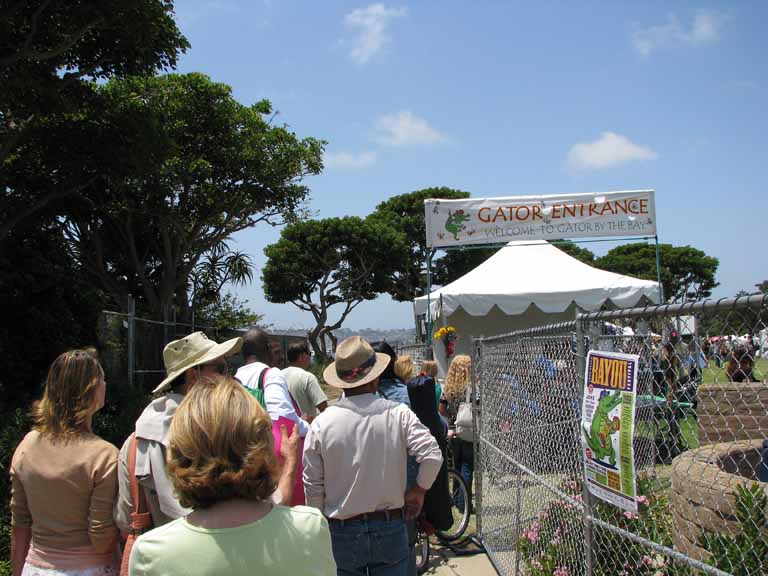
(429, 292)
(581, 366)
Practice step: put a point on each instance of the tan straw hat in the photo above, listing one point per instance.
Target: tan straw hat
(190, 351)
(356, 364)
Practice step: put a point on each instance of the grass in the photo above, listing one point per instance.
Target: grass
(714, 375)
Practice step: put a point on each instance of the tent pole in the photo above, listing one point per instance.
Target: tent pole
(658, 272)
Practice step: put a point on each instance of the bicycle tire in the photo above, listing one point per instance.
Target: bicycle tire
(422, 551)
(459, 493)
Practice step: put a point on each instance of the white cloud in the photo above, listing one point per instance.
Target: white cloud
(405, 129)
(610, 149)
(705, 28)
(349, 160)
(370, 24)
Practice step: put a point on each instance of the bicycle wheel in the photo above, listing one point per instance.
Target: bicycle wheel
(422, 551)
(459, 509)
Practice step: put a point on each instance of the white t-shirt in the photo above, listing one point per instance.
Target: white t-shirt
(276, 396)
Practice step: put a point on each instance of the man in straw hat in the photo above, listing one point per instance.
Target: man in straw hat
(354, 465)
(186, 362)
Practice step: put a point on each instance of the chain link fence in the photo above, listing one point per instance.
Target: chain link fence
(418, 353)
(700, 421)
(131, 348)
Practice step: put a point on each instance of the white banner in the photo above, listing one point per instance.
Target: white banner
(492, 220)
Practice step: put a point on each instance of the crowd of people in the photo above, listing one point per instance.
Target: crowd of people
(251, 473)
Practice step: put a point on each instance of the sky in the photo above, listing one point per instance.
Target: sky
(509, 99)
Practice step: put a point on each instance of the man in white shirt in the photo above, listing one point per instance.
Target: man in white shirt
(258, 373)
(354, 466)
(303, 385)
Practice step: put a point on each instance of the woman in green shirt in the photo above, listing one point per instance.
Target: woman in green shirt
(222, 465)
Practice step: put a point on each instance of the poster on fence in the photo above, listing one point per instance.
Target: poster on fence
(608, 425)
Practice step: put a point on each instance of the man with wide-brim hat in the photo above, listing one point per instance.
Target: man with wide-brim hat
(187, 361)
(354, 465)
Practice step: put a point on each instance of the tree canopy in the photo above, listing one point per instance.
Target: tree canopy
(201, 167)
(51, 52)
(405, 213)
(686, 272)
(336, 262)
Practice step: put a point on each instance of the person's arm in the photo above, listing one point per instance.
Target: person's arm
(124, 501)
(289, 450)
(314, 469)
(21, 520)
(277, 399)
(21, 536)
(102, 531)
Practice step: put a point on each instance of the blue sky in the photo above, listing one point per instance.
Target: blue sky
(506, 99)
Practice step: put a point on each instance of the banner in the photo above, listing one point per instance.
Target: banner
(492, 220)
(608, 425)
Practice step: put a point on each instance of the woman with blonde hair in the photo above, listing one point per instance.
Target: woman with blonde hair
(458, 381)
(222, 465)
(64, 479)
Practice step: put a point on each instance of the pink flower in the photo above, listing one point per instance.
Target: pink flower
(642, 500)
(630, 515)
(532, 533)
(560, 571)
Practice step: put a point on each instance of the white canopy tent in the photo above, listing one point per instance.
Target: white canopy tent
(527, 284)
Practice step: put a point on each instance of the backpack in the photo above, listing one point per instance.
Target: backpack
(258, 393)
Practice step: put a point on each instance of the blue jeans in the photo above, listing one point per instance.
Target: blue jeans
(464, 463)
(370, 547)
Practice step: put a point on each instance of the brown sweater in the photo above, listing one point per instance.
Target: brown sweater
(65, 490)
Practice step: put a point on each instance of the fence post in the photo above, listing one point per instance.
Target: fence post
(581, 365)
(477, 426)
(131, 340)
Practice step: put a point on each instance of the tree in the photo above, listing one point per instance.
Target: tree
(51, 52)
(202, 167)
(227, 313)
(572, 249)
(319, 264)
(217, 268)
(686, 272)
(762, 287)
(405, 213)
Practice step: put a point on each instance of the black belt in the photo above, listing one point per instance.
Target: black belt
(394, 514)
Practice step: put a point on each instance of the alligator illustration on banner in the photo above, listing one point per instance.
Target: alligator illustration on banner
(455, 222)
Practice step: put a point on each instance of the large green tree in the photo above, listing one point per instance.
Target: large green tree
(686, 272)
(201, 167)
(52, 52)
(335, 263)
(405, 213)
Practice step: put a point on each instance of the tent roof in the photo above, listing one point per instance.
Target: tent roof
(525, 273)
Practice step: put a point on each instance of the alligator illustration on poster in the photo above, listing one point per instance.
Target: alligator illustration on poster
(599, 437)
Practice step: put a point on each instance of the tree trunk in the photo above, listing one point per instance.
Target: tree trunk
(317, 342)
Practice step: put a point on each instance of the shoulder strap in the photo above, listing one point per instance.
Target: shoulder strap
(141, 518)
(263, 378)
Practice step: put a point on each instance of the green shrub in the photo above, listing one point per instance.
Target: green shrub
(746, 552)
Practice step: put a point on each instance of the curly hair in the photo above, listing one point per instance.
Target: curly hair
(220, 446)
(404, 368)
(458, 376)
(70, 393)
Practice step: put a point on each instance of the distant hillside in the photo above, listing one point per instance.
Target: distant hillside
(395, 337)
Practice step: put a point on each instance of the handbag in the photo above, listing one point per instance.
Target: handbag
(464, 423)
(140, 521)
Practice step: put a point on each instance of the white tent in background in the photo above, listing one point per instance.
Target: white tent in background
(527, 284)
